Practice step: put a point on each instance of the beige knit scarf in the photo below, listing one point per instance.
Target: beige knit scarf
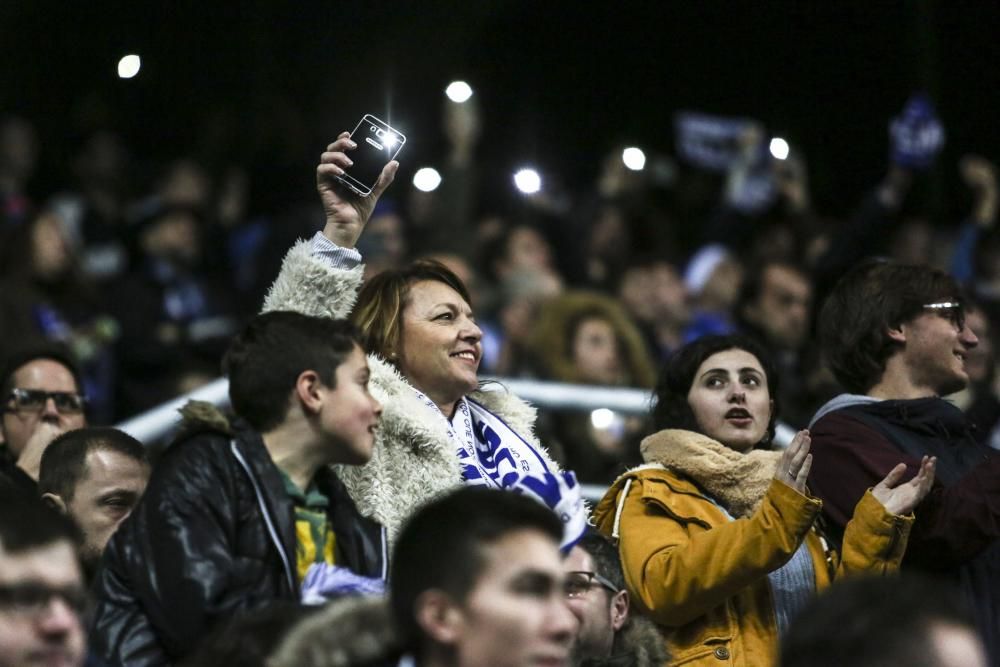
(735, 480)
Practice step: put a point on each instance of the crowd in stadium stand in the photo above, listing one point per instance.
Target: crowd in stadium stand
(326, 517)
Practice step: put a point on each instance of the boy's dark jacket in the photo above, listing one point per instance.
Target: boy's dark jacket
(203, 544)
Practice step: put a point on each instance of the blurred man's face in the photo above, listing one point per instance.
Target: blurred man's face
(21, 418)
(600, 612)
(782, 307)
(41, 594)
(111, 485)
(516, 615)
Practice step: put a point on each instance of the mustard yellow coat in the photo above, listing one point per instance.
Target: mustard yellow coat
(702, 577)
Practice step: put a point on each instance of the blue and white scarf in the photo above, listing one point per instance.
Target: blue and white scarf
(493, 454)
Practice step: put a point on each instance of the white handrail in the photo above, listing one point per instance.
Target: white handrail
(157, 422)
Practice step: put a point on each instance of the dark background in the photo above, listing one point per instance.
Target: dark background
(269, 83)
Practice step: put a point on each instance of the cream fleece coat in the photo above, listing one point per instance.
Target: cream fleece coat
(414, 460)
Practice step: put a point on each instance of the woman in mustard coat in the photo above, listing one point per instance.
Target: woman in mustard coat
(717, 533)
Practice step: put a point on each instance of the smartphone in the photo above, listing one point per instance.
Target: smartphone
(377, 145)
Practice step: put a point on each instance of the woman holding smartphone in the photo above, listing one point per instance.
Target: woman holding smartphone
(717, 535)
(439, 428)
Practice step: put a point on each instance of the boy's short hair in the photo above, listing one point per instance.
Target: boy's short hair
(264, 361)
(64, 460)
(441, 547)
(870, 299)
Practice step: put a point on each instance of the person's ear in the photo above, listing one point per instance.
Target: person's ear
(897, 333)
(619, 609)
(55, 502)
(309, 391)
(438, 616)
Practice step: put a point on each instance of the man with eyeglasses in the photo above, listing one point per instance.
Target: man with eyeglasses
(42, 398)
(895, 337)
(611, 633)
(42, 596)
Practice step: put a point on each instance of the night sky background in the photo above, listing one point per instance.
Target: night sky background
(559, 83)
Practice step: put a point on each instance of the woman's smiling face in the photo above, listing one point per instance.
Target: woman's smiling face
(440, 346)
(730, 399)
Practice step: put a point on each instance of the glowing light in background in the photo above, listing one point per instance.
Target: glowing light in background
(426, 179)
(458, 91)
(129, 66)
(602, 418)
(779, 148)
(634, 158)
(528, 181)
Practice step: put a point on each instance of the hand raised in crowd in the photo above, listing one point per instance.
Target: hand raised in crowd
(980, 175)
(30, 460)
(793, 467)
(902, 498)
(346, 212)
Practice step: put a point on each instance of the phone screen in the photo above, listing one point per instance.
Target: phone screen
(377, 144)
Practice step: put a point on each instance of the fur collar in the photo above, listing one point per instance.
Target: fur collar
(414, 460)
(737, 481)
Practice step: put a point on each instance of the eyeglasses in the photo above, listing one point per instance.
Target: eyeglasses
(579, 583)
(953, 311)
(34, 400)
(33, 599)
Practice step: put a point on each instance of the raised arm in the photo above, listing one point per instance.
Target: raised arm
(321, 277)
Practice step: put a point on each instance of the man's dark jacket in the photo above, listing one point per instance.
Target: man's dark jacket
(213, 535)
(857, 441)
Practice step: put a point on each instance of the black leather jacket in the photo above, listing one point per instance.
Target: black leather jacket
(213, 535)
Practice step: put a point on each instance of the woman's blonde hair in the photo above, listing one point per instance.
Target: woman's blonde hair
(379, 311)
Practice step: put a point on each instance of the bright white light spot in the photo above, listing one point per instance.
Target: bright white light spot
(390, 139)
(602, 418)
(634, 158)
(426, 179)
(779, 148)
(528, 181)
(129, 66)
(458, 91)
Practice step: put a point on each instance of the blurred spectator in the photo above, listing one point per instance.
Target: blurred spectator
(95, 476)
(612, 632)
(477, 579)
(18, 160)
(979, 399)
(353, 632)
(95, 211)
(384, 244)
(42, 594)
(239, 514)
(713, 278)
(587, 338)
(42, 399)
(45, 295)
(656, 298)
(507, 346)
(175, 319)
(875, 622)
(775, 307)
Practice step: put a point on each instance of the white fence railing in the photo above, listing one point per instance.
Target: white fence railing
(159, 421)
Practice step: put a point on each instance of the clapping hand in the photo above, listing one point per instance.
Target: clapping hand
(794, 465)
(346, 212)
(902, 498)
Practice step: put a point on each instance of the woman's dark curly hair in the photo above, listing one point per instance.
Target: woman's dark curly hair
(672, 410)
